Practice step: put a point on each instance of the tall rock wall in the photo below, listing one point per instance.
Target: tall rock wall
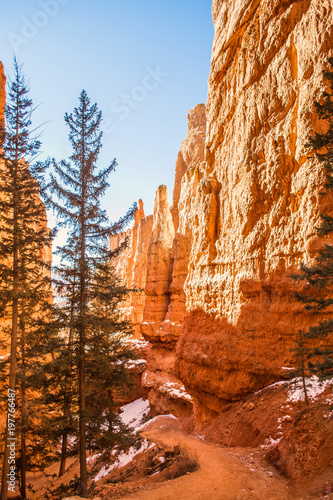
(167, 271)
(156, 261)
(258, 198)
(245, 208)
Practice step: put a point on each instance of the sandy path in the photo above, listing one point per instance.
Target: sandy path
(223, 475)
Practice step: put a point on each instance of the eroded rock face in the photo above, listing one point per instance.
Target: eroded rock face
(131, 265)
(156, 260)
(191, 153)
(159, 266)
(166, 391)
(257, 200)
(220, 309)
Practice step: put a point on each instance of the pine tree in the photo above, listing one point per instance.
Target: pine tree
(79, 187)
(107, 359)
(24, 273)
(318, 297)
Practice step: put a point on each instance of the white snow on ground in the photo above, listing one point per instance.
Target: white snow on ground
(6, 356)
(175, 390)
(134, 413)
(269, 442)
(155, 419)
(135, 362)
(296, 392)
(93, 458)
(123, 459)
(276, 384)
(137, 342)
(313, 385)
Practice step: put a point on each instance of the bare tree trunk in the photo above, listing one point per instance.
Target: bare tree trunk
(82, 419)
(10, 437)
(62, 467)
(82, 339)
(24, 421)
(67, 403)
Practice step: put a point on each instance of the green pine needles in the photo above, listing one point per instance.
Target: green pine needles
(92, 294)
(25, 277)
(68, 361)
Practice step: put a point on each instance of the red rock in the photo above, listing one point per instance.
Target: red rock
(245, 208)
(257, 200)
(131, 265)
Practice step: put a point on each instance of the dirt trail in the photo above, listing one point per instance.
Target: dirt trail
(224, 474)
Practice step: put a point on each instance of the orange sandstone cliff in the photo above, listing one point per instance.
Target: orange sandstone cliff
(160, 275)
(218, 305)
(257, 200)
(131, 265)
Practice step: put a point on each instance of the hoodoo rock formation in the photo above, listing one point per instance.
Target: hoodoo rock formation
(218, 305)
(131, 265)
(161, 272)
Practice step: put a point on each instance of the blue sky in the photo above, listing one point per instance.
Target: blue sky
(145, 63)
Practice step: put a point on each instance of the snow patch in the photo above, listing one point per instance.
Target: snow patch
(276, 384)
(296, 392)
(136, 343)
(123, 459)
(135, 362)
(269, 442)
(93, 458)
(175, 390)
(313, 385)
(155, 419)
(134, 413)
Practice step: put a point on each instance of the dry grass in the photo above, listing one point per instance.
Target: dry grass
(185, 463)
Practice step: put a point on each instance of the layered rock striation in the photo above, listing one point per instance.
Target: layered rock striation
(219, 304)
(258, 198)
(131, 264)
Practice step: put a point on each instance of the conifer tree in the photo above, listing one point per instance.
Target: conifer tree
(79, 187)
(24, 273)
(318, 298)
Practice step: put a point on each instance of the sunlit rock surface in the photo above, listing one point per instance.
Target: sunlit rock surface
(257, 201)
(219, 307)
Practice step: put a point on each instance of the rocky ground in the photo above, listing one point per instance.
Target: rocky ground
(269, 446)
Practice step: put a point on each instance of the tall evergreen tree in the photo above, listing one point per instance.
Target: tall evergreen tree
(319, 295)
(79, 187)
(24, 237)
